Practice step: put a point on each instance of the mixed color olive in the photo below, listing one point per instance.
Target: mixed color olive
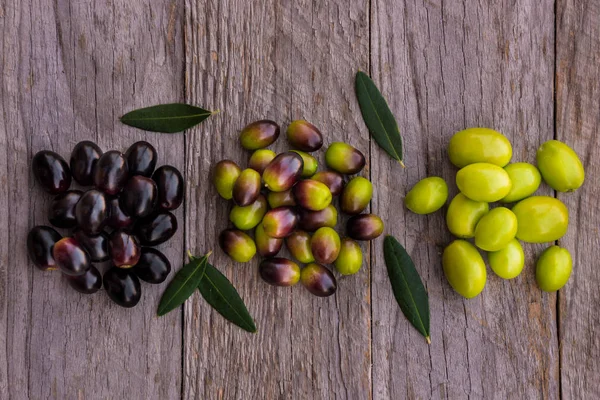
(304, 136)
(427, 196)
(266, 246)
(280, 199)
(279, 271)
(260, 159)
(345, 159)
(325, 245)
(51, 171)
(299, 245)
(283, 172)
(310, 164)
(364, 227)
(312, 220)
(280, 222)
(237, 245)
(83, 160)
(312, 195)
(318, 280)
(334, 181)
(40, 243)
(356, 195)
(141, 158)
(259, 134)
(249, 216)
(247, 187)
(225, 174)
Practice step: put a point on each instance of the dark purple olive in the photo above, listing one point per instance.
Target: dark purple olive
(70, 257)
(117, 219)
(40, 242)
(153, 266)
(318, 280)
(124, 249)
(170, 187)
(141, 158)
(111, 172)
(84, 157)
(279, 271)
(62, 209)
(51, 171)
(139, 196)
(156, 229)
(91, 212)
(95, 245)
(88, 283)
(122, 286)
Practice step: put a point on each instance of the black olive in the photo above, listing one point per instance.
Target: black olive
(84, 157)
(111, 172)
(88, 283)
(40, 242)
(170, 187)
(95, 245)
(70, 257)
(91, 212)
(153, 266)
(156, 229)
(62, 209)
(117, 218)
(51, 171)
(124, 249)
(141, 158)
(139, 196)
(122, 286)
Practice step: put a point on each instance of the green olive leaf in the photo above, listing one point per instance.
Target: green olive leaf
(166, 118)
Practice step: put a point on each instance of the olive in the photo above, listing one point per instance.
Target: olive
(560, 166)
(62, 209)
(356, 195)
(117, 219)
(334, 181)
(246, 188)
(40, 242)
(280, 199)
(279, 271)
(350, 258)
(496, 229)
(170, 184)
(325, 245)
(312, 220)
(508, 262)
(553, 268)
(344, 158)
(91, 212)
(525, 180)
(225, 175)
(364, 227)
(310, 164)
(51, 171)
(71, 257)
(266, 245)
(280, 222)
(111, 172)
(124, 249)
(479, 145)
(464, 214)
(153, 266)
(237, 245)
(95, 245)
(248, 217)
(483, 182)
(312, 195)
(304, 136)
(541, 219)
(427, 196)
(283, 172)
(139, 196)
(156, 228)
(260, 159)
(83, 160)
(88, 283)
(259, 134)
(318, 280)
(464, 268)
(298, 243)
(141, 158)
(122, 286)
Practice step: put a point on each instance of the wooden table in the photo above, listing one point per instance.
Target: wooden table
(530, 69)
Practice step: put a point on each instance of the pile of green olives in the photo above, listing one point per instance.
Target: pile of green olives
(486, 176)
(283, 198)
(125, 210)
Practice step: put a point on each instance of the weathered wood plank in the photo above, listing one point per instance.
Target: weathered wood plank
(279, 60)
(445, 66)
(578, 125)
(71, 69)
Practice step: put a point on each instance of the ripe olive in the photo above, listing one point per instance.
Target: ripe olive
(483, 182)
(541, 219)
(91, 212)
(427, 196)
(156, 228)
(62, 209)
(464, 214)
(298, 243)
(560, 166)
(266, 245)
(141, 158)
(70, 257)
(479, 145)
(312, 220)
(117, 218)
(84, 157)
(364, 227)
(525, 180)
(260, 159)
(496, 229)
(124, 249)
(51, 171)
(88, 283)
(279, 271)
(464, 268)
(334, 181)
(111, 172)
(553, 268)
(40, 243)
(139, 196)
(310, 164)
(122, 286)
(280, 199)
(153, 266)
(325, 245)
(508, 262)
(95, 245)
(170, 185)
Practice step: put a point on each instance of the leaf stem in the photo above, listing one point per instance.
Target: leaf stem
(428, 339)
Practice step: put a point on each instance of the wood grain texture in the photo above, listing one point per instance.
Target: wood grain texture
(279, 60)
(578, 125)
(70, 70)
(446, 66)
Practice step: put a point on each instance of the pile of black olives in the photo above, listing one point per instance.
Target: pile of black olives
(125, 210)
(283, 198)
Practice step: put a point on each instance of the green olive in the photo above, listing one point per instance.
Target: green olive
(496, 229)
(508, 262)
(553, 268)
(525, 180)
(464, 268)
(427, 196)
(541, 219)
(310, 164)
(483, 182)
(225, 174)
(350, 258)
(356, 195)
(464, 214)
(479, 145)
(247, 217)
(560, 166)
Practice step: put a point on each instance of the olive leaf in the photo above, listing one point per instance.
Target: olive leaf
(183, 284)
(407, 285)
(166, 118)
(378, 117)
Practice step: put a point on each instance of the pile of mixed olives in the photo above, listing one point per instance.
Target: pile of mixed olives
(485, 176)
(126, 210)
(283, 198)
